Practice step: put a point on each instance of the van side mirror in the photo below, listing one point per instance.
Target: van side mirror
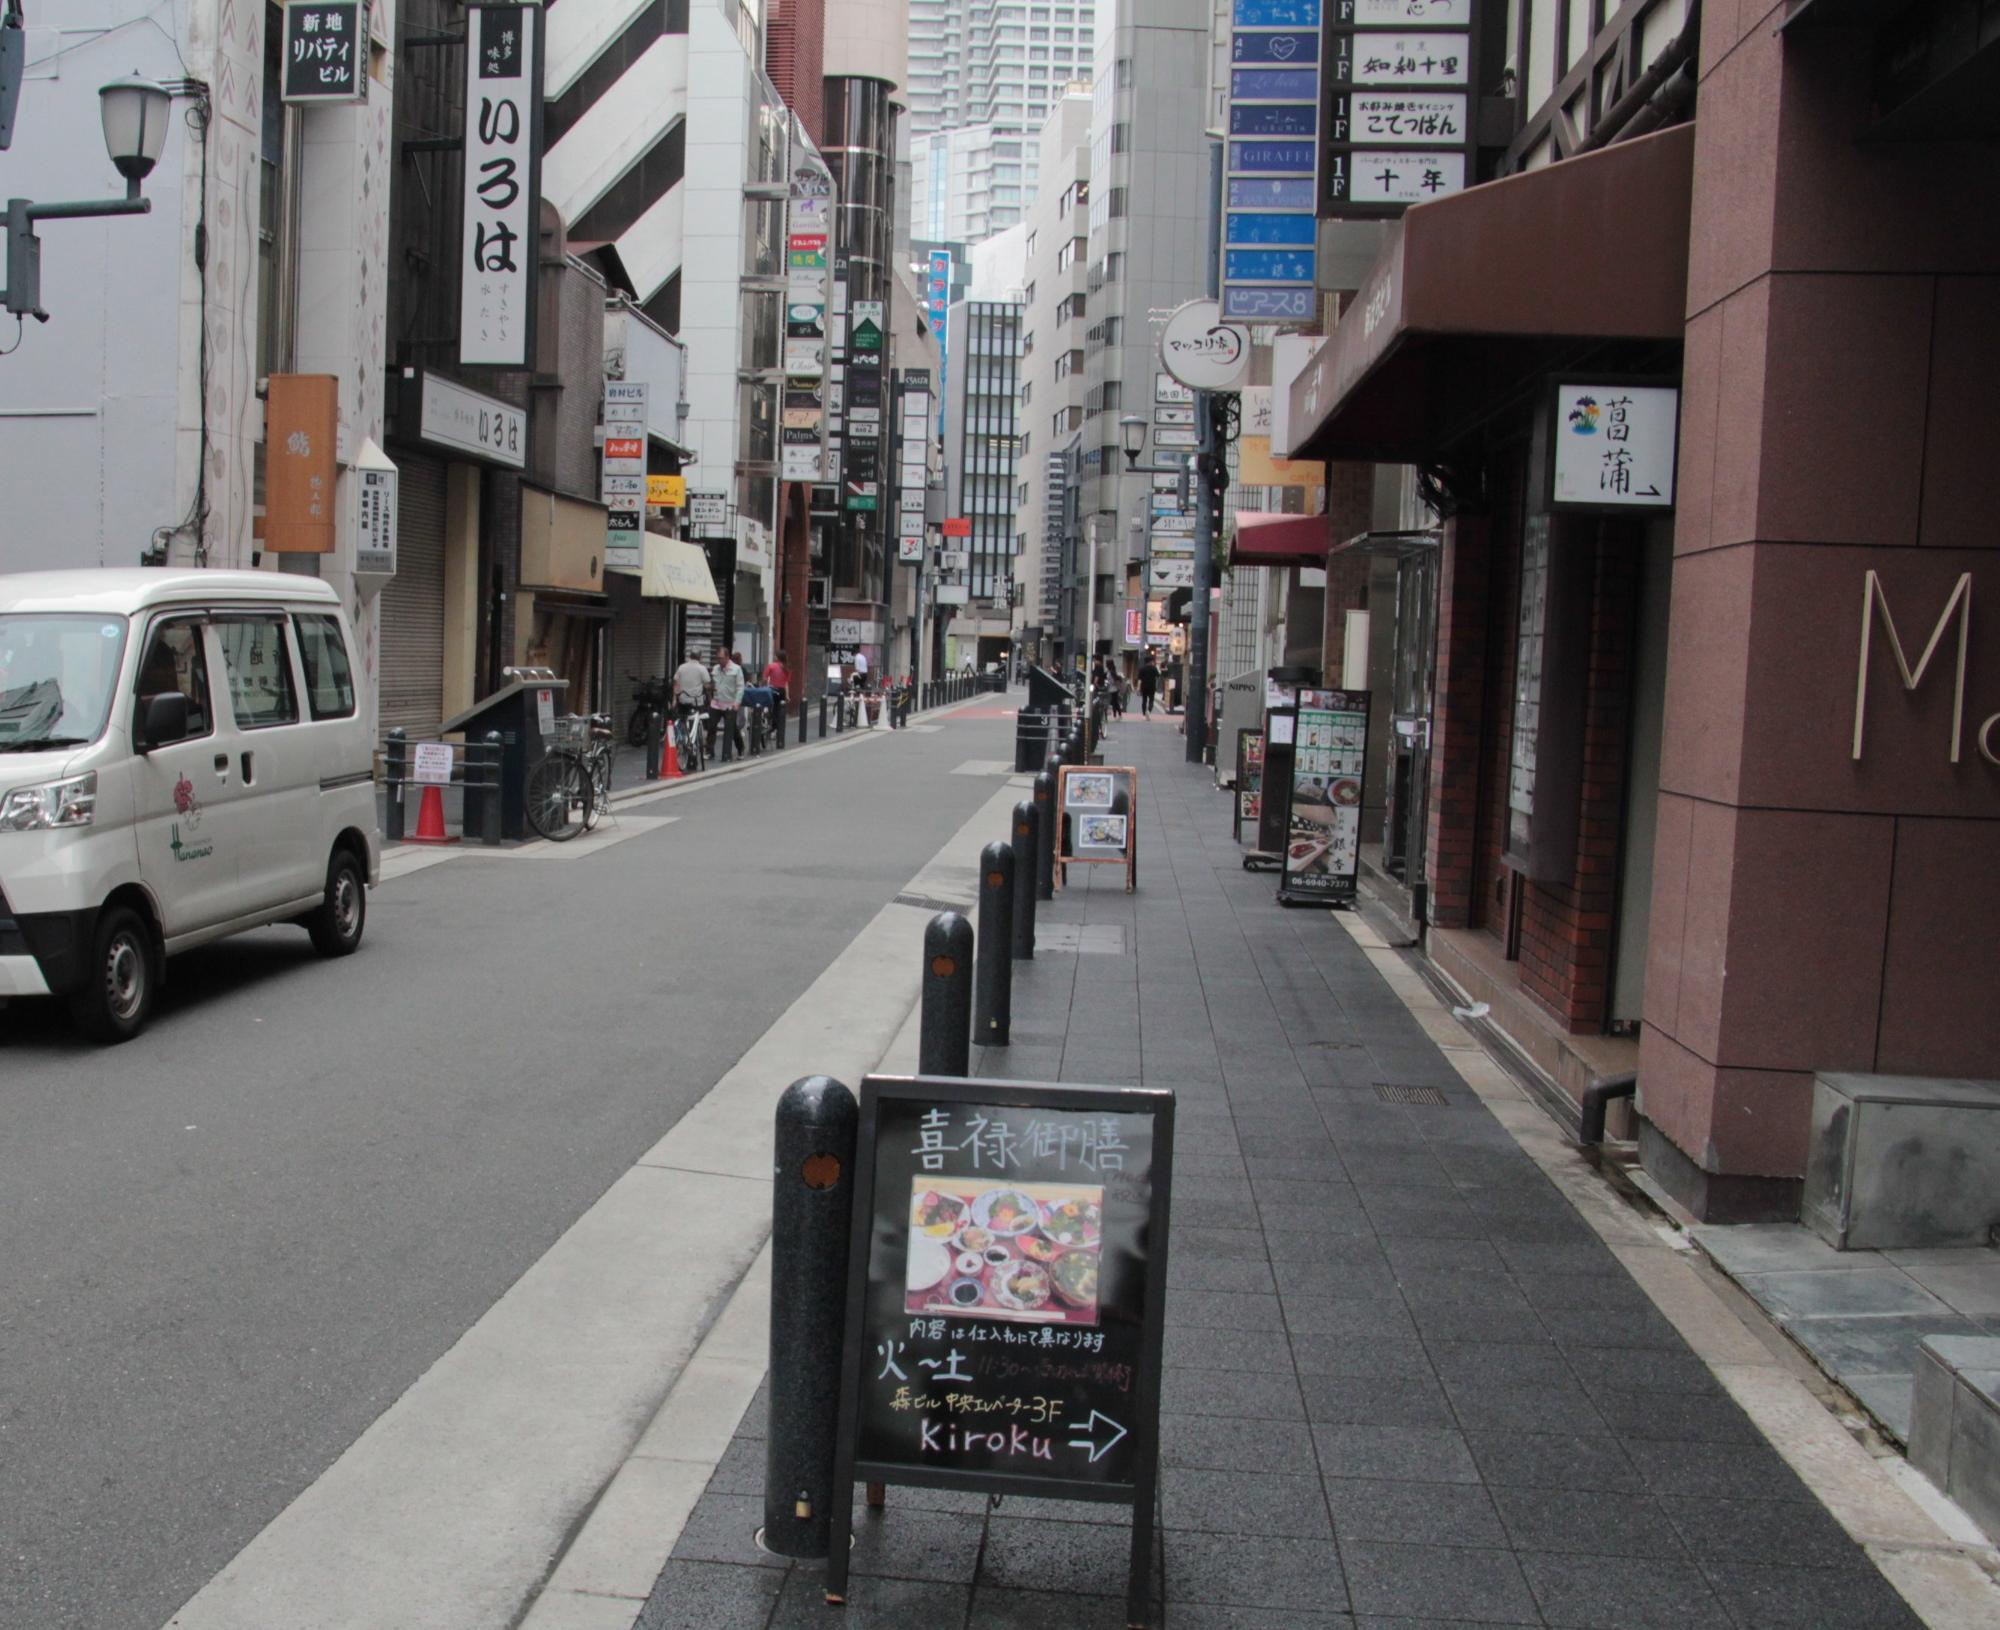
(163, 720)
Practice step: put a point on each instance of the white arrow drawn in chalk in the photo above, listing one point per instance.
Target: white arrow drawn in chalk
(1086, 1436)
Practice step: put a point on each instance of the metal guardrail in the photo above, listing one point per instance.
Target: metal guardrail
(475, 774)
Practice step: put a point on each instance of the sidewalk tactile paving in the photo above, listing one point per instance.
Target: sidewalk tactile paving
(1406, 1385)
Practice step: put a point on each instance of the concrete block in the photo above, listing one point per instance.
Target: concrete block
(1930, 1416)
(1903, 1161)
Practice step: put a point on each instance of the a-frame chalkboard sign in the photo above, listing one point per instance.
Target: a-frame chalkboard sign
(1006, 1284)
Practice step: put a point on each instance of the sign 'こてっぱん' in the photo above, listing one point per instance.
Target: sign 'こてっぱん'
(1006, 1283)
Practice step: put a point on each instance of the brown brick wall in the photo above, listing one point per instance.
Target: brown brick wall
(1490, 878)
(1566, 928)
(1459, 697)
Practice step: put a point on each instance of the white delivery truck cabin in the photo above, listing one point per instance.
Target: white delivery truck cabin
(183, 756)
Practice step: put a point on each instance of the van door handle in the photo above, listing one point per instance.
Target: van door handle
(249, 770)
(222, 766)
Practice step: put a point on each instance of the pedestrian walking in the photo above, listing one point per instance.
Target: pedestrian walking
(1149, 684)
(727, 681)
(779, 679)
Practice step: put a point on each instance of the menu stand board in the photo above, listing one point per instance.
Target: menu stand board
(1323, 802)
(1280, 721)
(1249, 781)
(1099, 811)
(1006, 1288)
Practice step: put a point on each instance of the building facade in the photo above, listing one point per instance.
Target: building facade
(983, 76)
(1707, 476)
(1052, 379)
(982, 430)
(1147, 235)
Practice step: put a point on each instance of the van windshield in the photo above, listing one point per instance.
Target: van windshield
(57, 676)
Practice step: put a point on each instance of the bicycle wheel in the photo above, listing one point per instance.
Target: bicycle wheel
(558, 796)
(600, 786)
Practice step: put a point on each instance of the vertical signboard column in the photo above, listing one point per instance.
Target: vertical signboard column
(1396, 118)
(863, 408)
(1269, 234)
(1006, 1285)
(802, 428)
(1170, 525)
(503, 180)
(913, 445)
(1323, 807)
(624, 481)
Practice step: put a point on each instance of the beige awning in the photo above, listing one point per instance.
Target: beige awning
(674, 569)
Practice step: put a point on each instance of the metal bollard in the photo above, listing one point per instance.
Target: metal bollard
(656, 736)
(811, 1195)
(822, 715)
(1025, 863)
(396, 767)
(944, 1045)
(805, 721)
(489, 796)
(1045, 840)
(993, 987)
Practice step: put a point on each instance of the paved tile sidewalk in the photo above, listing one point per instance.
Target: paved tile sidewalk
(1407, 1386)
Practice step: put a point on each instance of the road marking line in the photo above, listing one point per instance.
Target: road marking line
(450, 1511)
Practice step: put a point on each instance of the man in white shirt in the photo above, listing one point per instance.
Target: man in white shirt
(728, 682)
(860, 670)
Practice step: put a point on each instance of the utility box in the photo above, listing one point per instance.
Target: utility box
(1903, 1162)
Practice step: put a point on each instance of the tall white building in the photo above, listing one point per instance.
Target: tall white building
(986, 72)
(1052, 383)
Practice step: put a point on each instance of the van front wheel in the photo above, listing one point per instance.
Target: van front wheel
(116, 997)
(336, 926)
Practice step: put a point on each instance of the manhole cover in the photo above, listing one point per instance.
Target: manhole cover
(1393, 1092)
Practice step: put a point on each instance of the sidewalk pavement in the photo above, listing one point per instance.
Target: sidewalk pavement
(1410, 1382)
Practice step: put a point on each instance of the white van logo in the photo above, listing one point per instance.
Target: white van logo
(189, 808)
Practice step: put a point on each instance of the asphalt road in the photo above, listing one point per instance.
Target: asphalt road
(226, 1247)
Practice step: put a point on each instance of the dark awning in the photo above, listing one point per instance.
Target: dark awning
(1280, 540)
(1467, 299)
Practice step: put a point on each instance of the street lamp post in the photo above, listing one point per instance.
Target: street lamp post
(133, 113)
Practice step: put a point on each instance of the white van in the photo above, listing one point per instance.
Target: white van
(182, 756)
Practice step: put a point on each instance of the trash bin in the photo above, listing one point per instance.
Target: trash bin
(524, 712)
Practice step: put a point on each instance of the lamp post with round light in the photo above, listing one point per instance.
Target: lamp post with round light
(134, 114)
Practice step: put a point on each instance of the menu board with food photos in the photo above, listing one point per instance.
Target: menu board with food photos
(1098, 809)
(1006, 1282)
(1323, 812)
(1249, 781)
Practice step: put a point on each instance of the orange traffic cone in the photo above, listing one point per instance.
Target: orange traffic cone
(430, 819)
(670, 761)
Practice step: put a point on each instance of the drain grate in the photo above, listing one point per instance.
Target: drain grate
(1397, 1092)
(924, 902)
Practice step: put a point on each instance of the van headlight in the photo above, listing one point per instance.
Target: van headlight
(54, 803)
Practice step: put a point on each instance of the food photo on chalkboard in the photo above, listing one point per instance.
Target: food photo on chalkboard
(1025, 1251)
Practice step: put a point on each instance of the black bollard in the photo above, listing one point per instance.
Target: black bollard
(1026, 824)
(1045, 840)
(812, 1188)
(396, 766)
(822, 716)
(993, 990)
(944, 1045)
(656, 736)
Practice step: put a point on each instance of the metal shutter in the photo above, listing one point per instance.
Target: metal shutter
(413, 601)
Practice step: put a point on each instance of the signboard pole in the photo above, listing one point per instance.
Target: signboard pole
(1038, 1376)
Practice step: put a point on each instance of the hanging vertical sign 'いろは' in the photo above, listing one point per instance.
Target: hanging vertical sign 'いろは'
(503, 163)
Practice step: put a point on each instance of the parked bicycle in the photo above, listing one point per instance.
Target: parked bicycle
(688, 738)
(570, 790)
(649, 702)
